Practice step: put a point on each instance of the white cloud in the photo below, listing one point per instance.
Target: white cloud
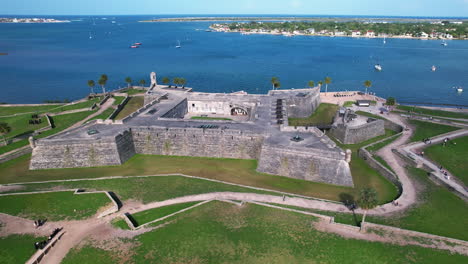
(298, 3)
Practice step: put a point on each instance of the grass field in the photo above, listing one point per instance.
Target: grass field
(432, 112)
(230, 170)
(323, 115)
(104, 115)
(382, 144)
(20, 125)
(85, 104)
(118, 100)
(147, 216)
(427, 130)
(209, 118)
(131, 92)
(223, 233)
(11, 110)
(349, 103)
(54, 206)
(363, 113)
(453, 157)
(132, 105)
(17, 248)
(60, 122)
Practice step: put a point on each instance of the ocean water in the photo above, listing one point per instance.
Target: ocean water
(54, 61)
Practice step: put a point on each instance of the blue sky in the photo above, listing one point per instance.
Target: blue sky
(458, 8)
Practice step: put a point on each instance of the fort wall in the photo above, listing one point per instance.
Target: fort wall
(318, 165)
(356, 134)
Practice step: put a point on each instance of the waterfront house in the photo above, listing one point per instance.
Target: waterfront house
(311, 30)
(370, 34)
(356, 33)
(340, 33)
(424, 35)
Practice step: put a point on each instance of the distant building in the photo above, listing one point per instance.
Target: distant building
(424, 35)
(311, 30)
(356, 33)
(364, 103)
(370, 34)
(340, 33)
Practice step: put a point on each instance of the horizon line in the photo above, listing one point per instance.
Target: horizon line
(246, 14)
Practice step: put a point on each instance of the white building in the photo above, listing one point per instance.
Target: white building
(424, 35)
(356, 33)
(370, 34)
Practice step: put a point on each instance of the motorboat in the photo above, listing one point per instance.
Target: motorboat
(134, 46)
(178, 46)
(378, 67)
(434, 68)
(444, 44)
(459, 89)
(137, 43)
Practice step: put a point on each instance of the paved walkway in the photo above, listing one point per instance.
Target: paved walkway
(410, 149)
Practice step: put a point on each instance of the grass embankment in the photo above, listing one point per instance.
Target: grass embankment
(427, 130)
(210, 118)
(323, 115)
(60, 123)
(54, 206)
(104, 115)
(349, 103)
(223, 233)
(229, 170)
(453, 157)
(147, 216)
(118, 100)
(17, 248)
(132, 91)
(20, 125)
(432, 112)
(80, 105)
(11, 110)
(133, 104)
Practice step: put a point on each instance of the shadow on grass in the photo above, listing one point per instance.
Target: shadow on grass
(349, 201)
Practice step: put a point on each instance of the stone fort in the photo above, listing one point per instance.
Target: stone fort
(181, 122)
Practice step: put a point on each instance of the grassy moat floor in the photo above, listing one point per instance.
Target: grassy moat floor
(322, 116)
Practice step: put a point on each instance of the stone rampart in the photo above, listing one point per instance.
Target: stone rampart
(357, 134)
(317, 165)
(179, 111)
(68, 153)
(197, 142)
(303, 106)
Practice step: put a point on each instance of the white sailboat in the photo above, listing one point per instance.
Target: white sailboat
(384, 41)
(90, 36)
(178, 46)
(443, 43)
(459, 89)
(434, 68)
(378, 67)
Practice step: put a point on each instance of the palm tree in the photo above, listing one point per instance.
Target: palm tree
(91, 85)
(176, 81)
(182, 82)
(102, 82)
(4, 129)
(311, 84)
(166, 81)
(327, 82)
(367, 84)
(128, 80)
(142, 82)
(367, 200)
(320, 83)
(274, 82)
(104, 77)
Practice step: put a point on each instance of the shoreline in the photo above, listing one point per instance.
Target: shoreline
(330, 36)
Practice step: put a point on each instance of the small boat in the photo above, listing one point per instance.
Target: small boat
(444, 44)
(178, 46)
(208, 30)
(113, 22)
(434, 68)
(90, 37)
(137, 43)
(459, 89)
(134, 46)
(378, 67)
(384, 41)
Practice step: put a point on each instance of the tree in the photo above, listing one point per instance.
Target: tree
(320, 83)
(4, 129)
(142, 82)
(391, 101)
(311, 84)
(102, 82)
(182, 82)
(166, 81)
(276, 85)
(128, 80)
(327, 82)
(367, 200)
(176, 81)
(274, 82)
(367, 84)
(91, 85)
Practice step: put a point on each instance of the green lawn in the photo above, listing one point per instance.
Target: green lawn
(230, 170)
(132, 105)
(85, 104)
(147, 216)
(54, 206)
(453, 157)
(209, 118)
(17, 248)
(118, 100)
(20, 125)
(131, 92)
(427, 130)
(323, 115)
(104, 115)
(60, 122)
(363, 113)
(11, 110)
(223, 233)
(349, 103)
(432, 112)
(378, 146)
